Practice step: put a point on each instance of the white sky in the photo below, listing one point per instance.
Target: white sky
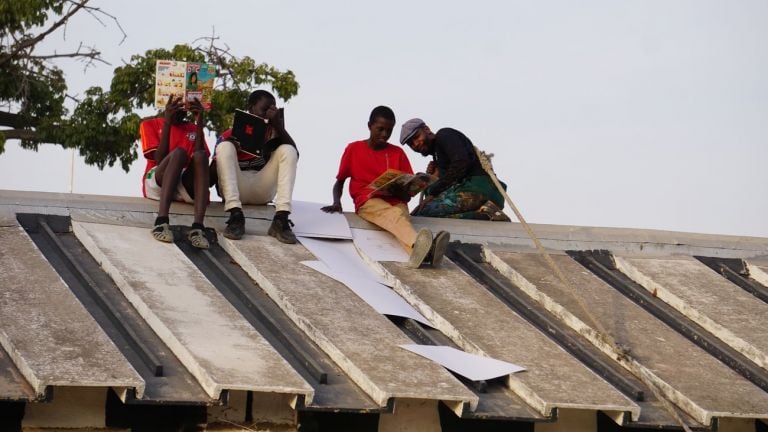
(642, 114)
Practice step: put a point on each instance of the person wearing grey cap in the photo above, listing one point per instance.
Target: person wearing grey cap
(463, 189)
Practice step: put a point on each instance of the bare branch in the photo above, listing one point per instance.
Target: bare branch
(93, 55)
(95, 11)
(29, 43)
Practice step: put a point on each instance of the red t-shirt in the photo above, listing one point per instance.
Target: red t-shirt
(182, 135)
(362, 165)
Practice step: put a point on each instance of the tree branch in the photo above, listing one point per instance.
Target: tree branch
(21, 134)
(32, 42)
(92, 54)
(14, 120)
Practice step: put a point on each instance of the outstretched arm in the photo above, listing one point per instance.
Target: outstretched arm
(338, 188)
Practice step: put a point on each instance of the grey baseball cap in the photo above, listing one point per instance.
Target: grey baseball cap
(410, 128)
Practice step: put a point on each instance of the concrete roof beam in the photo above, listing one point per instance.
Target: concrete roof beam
(358, 339)
(683, 372)
(207, 334)
(479, 323)
(706, 298)
(47, 332)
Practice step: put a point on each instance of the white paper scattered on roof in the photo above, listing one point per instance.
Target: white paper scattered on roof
(471, 366)
(379, 245)
(341, 256)
(381, 298)
(310, 221)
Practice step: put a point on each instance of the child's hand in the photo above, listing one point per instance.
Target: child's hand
(431, 168)
(196, 107)
(333, 208)
(275, 118)
(173, 106)
(400, 192)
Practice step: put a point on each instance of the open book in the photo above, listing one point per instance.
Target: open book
(250, 131)
(187, 79)
(393, 180)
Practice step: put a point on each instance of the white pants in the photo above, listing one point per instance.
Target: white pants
(274, 182)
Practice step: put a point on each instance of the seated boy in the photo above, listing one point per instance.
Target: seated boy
(243, 177)
(362, 162)
(177, 167)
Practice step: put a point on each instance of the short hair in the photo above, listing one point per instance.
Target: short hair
(382, 111)
(258, 95)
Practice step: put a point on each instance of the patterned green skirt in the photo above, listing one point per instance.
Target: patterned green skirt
(465, 200)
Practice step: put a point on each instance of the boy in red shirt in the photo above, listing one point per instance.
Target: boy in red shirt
(177, 167)
(363, 161)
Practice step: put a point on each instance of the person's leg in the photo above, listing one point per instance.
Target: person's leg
(168, 175)
(286, 158)
(229, 179)
(228, 170)
(196, 184)
(394, 219)
(273, 182)
(451, 202)
(397, 221)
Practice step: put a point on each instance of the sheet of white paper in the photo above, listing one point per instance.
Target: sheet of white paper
(472, 366)
(381, 298)
(310, 221)
(379, 245)
(340, 255)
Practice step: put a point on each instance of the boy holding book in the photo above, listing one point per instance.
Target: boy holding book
(258, 176)
(177, 167)
(362, 162)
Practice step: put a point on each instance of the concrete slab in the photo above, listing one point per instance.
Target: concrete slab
(213, 341)
(560, 237)
(479, 323)
(362, 342)
(724, 309)
(45, 330)
(13, 386)
(686, 374)
(758, 270)
(565, 237)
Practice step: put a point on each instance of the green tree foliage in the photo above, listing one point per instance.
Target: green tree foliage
(103, 124)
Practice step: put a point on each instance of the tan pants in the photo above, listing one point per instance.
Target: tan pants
(273, 182)
(393, 218)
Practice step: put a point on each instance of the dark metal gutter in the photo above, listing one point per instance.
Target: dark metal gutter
(736, 271)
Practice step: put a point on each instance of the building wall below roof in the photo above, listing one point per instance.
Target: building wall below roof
(411, 415)
(71, 407)
(569, 420)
